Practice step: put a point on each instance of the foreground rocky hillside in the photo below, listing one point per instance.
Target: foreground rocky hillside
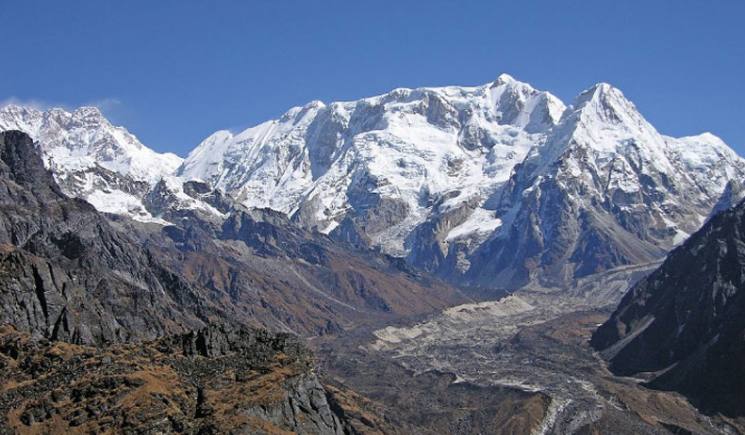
(683, 327)
(213, 380)
(67, 274)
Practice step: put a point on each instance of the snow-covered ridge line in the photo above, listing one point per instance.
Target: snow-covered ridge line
(404, 147)
(92, 158)
(83, 138)
(456, 179)
(412, 155)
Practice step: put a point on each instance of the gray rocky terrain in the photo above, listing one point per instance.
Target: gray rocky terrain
(682, 327)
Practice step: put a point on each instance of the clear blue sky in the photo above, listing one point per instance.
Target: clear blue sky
(174, 71)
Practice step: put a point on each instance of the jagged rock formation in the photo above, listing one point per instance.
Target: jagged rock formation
(682, 327)
(67, 274)
(213, 380)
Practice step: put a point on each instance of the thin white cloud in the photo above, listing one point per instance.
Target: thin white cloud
(105, 105)
(33, 103)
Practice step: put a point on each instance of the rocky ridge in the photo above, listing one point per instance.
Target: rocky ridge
(681, 328)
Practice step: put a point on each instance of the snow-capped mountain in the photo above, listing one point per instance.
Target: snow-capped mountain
(495, 185)
(606, 189)
(91, 158)
(386, 162)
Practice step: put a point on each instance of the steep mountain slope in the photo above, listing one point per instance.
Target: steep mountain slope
(683, 325)
(70, 273)
(91, 158)
(67, 274)
(493, 186)
(605, 190)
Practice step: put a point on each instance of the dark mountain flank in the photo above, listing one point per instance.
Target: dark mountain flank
(683, 326)
(66, 274)
(70, 273)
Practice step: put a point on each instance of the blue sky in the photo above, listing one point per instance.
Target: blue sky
(173, 72)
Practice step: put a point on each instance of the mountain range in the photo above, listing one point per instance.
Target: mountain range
(493, 186)
(448, 253)
(109, 324)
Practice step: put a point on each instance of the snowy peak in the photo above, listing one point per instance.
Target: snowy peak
(597, 92)
(608, 104)
(93, 159)
(84, 138)
(403, 154)
(604, 189)
(603, 137)
(603, 124)
(504, 79)
(521, 105)
(207, 157)
(86, 116)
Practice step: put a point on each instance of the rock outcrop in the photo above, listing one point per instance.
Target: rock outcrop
(216, 379)
(67, 274)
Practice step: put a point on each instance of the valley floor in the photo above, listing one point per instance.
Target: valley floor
(521, 364)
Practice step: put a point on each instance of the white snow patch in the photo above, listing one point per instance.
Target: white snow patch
(118, 202)
(481, 221)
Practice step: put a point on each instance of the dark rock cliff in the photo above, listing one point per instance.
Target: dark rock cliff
(67, 274)
(683, 326)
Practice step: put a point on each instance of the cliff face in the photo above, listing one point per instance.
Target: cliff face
(67, 274)
(214, 380)
(684, 325)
